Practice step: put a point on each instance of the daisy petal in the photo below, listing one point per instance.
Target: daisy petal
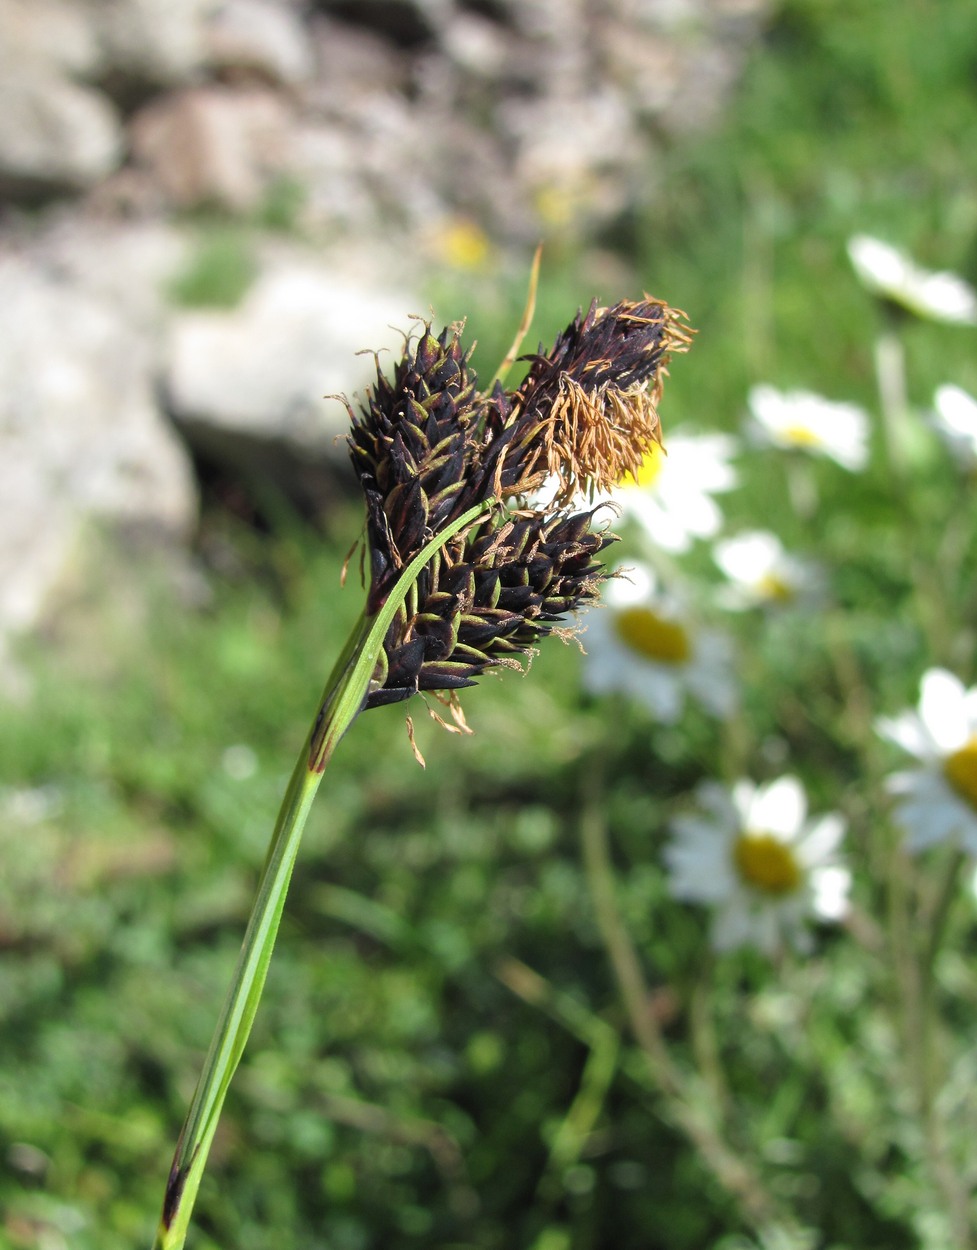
(830, 887)
(779, 808)
(822, 838)
(941, 708)
(907, 731)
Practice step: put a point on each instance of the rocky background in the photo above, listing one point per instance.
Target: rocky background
(355, 138)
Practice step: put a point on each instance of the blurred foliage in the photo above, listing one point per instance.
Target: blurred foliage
(281, 206)
(219, 272)
(441, 1058)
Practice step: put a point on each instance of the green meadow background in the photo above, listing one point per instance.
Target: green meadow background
(442, 1058)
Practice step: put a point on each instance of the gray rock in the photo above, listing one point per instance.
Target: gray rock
(261, 39)
(573, 155)
(81, 435)
(250, 388)
(126, 265)
(55, 136)
(149, 45)
(215, 145)
(401, 115)
(58, 34)
(59, 65)
(545, 119)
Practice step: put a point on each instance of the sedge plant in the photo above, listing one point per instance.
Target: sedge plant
(467, 572)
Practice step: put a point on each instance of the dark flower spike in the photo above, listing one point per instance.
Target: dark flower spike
(412, 448)
(487, 599)
(428, 446)
(466, 575)
(588, 409)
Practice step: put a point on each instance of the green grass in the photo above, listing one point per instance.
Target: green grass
(218, 273)
(398, 1092)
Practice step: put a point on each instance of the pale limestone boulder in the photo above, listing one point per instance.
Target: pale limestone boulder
(214, 145)
(250, 388)
(83, 442)
(263, 39)
(57, 33)
(147, 46)
(55, 136)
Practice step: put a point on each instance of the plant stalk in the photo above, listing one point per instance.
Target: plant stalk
(342, 700)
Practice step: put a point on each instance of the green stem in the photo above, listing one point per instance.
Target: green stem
(954, 1189)
(802, 486)
(914, 973)
(341, 702)
(890, 375)
(705, 1043)
(238, 1011)
(939, 914)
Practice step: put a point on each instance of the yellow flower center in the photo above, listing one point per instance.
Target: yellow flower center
(960, 769)
(801, 436)
(649, 469)
(652, 636)
(770, 586)
(766, 864)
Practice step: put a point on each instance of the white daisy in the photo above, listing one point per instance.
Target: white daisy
(955, 418)
(762, 573)
(765, 869)
(672, 496)
(894, 276)
(937, 801)
(803, 421)
(643, 642)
